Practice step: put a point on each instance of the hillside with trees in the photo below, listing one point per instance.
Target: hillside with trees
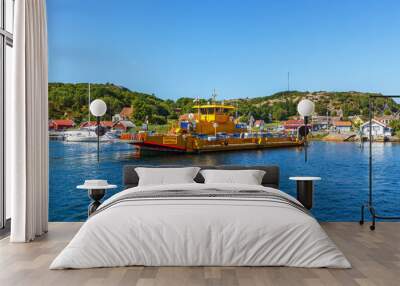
(68, 100)
(282, 105)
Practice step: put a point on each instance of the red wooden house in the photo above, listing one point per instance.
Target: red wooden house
(61, 124)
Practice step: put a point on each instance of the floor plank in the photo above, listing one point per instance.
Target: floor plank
(375, 257)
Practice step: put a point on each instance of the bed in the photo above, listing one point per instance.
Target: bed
(198, 224)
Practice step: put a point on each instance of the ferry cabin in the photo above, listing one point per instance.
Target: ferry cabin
(214, 112)
(210, 119)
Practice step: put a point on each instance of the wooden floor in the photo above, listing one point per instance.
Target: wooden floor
(375, 257)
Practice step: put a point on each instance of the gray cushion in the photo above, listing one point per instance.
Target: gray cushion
(270, 179)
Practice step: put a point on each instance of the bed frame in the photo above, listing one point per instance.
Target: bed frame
(270, 179)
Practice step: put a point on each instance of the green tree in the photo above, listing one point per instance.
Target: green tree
(387, 112)
(395, 125)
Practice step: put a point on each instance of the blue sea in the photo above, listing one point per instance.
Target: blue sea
(338, 196)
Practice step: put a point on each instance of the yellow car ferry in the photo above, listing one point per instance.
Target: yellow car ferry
(210, 128)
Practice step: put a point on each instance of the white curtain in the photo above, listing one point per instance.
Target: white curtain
(27, 124)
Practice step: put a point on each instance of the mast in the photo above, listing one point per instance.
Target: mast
(236, 111)
(214, 96)
(198, 109)
(89, 110)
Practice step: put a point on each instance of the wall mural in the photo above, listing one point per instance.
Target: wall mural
(199, 110)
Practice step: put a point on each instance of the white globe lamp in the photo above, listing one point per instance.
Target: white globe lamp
(98, 107)
(306, 107)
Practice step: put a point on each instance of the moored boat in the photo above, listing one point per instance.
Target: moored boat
(210, 128)
(85, 136)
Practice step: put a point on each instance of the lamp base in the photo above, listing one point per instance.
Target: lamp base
(96, 195)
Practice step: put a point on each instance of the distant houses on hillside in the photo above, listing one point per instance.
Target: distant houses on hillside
(387, 119)
(120, 121)
(125, 114)
(320, 123)
(292, 125)
(123, 125)
(355, 124)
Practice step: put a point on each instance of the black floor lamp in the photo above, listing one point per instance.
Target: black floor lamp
(98, 108)
(369, 204)
(305, 108)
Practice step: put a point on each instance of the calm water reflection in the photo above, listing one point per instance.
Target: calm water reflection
(342, 166)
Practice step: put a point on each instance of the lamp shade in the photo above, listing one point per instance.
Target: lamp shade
(306, 107)
(98, 107)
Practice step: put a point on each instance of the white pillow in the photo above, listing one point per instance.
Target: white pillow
(248, 177)
(166, 176)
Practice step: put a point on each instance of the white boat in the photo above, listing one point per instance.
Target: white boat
(56, 135)
(85, 135)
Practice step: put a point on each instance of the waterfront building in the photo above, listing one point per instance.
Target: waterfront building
(342, 126)
(61, 124)
(387, 119)
(291, 126)
(116, 118)
(333, 119)
(320, 123)
(124, 125)
(379, 129)
(107, 124)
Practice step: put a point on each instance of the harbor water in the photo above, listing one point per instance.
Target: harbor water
(343, 168)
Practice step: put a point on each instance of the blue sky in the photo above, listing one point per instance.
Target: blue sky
(241, 48)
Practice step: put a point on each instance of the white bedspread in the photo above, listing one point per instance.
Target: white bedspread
(200, 231)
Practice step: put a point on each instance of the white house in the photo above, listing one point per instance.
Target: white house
(342, 126)
(379, 129)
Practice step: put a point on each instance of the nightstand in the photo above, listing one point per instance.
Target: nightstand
(305, 188)
(96, 190)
